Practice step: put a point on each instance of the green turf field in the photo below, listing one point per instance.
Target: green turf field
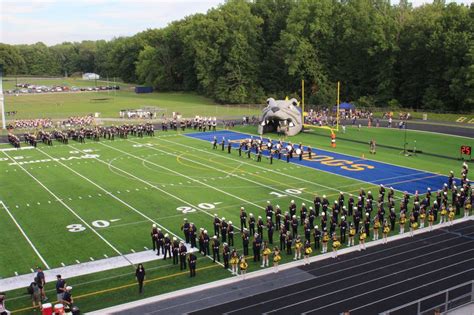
(65, 104)
(79, 202)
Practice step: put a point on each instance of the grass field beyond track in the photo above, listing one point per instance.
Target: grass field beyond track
(80, 202)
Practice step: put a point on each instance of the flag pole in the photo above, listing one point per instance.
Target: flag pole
(337, 114)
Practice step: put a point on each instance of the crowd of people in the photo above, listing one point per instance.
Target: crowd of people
(78, 121)
(298, 231)
(31, 123)
(37, 292)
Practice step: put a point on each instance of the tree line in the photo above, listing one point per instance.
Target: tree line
(245, 51)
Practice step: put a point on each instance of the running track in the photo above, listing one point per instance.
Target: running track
(374, 172)
(371, 281)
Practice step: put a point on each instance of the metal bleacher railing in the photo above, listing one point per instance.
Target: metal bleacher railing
(438, 303)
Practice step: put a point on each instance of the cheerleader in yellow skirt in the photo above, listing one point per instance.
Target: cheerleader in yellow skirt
(376, 228)
(451, 215)
(422, 217)
(402, 221)
(335, 245)
(362, 237)
(386, 230)
(266, 251)
(276, 259)
(467, 208)
(243, 266)
(352, 233)
(307, 251)
(413, 224)
(443, 214)
(430, 219)
(234, 262)
(298, 246)
(325, 241)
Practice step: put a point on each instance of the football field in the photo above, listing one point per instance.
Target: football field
(67, 204)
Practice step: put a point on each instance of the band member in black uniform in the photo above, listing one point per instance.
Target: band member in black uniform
(214, 143)
(282, 238)
(260, 226)
(292, 208)
(251, 224)
(182, 256)
(307, 230)
(175, 249)
(224, 227)
(269, 210)
(154, 234)
(192, 235)
(343, 229)
(294, 226)
(226, 255)
(167, 248)
(230, 233)
(206, 241)
(357, 218)
(245, 241)
(217, 225)
(229, 146)
(392, 217)
(303, 213)
(270, 229)
(350, 205)
(277, 217)
(256, 245)
(215, 249)
(243, 219)
(192, 265)
(317, 205)
(185, 229)
(289, 242)
(160, 243)
(317, 237)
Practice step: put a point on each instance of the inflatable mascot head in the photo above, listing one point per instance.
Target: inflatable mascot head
(283, 116)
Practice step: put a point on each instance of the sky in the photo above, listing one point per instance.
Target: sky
(57, 21)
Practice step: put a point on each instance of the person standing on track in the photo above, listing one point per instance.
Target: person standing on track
(140, 276)
(362, 237)
(386, 230)
(192, 259)
(276, 259)
(335, 245)
(307, 251)
(402, 222)
(243, 266)
(413, 224)
(234, 261)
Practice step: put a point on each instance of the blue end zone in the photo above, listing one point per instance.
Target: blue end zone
(377, 173)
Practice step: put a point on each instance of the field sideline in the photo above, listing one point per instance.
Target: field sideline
(70, 204)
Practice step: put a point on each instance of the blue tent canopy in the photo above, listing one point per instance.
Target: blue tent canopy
(345, 106)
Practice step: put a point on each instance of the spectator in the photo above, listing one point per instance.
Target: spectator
(67, 297)
(41, 281)
(140, 275)
(3, 310)
(35, 293)
(60, 287)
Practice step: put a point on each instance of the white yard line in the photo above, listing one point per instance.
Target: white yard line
(187, 177)
(69, 208)
(227, 173)
(128, 205)
(25, 236)
(301, 165)
(279, 173)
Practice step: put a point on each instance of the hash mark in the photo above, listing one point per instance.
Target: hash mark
(78, 261)
(63, 264)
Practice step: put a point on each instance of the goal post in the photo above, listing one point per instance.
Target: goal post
(2, 104)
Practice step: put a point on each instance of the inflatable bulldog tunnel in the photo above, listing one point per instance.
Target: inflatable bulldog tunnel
(283, 116)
